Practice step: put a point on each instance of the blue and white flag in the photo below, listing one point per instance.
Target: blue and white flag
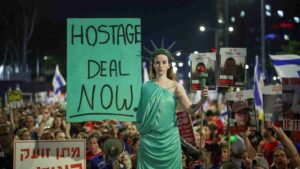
(58, 81)
(258, 84)
(286, 65)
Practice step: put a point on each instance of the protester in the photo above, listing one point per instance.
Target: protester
(6, 148)
(237, 149)
(260, 162)
(267, 145)
(156, 120)
(241, 113)
(286, 157)
(93, 146)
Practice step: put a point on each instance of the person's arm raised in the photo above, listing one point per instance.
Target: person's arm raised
(186, 103)
(288, 144)
(11, 118)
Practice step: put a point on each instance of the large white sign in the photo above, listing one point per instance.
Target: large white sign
(42, 154)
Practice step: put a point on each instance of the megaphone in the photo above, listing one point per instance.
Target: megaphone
(113, 147)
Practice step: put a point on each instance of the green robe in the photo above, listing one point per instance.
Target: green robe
(160, 145)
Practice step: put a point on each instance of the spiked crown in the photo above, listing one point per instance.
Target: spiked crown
(161, 50)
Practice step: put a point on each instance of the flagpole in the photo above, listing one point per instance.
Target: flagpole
(262, 29)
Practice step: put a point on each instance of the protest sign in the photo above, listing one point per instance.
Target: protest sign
(186, 127)
(15, 98)
(291, 103)
(232, 67)
(242, 113)
(40, 154)
(208, 61)
(272, 98)
(104, 69)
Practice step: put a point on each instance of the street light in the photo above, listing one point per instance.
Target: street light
(220, 20)
(242, 14)
(246, 66)
(296, 19)
(230, 29)
(178, 53)
(280, 13)
(202, 28)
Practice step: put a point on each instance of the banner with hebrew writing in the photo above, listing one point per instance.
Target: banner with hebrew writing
(40, 154)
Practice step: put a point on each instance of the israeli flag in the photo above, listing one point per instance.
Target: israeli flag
(286, 65)
(258, 84)
(58, 81)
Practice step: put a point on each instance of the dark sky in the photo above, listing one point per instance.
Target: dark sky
(175, 20)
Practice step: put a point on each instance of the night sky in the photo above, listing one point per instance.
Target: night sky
(176, 21)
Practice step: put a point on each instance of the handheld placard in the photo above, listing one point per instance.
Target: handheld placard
(202, 76)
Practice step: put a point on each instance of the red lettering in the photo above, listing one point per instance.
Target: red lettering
(57, 153)
(225, 82)
(285, 81)
(26, 150)
(72, 166)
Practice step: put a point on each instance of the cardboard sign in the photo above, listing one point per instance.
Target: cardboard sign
(273, 104)
(15, 98)
(104, 69)
(208, 61)
(49, 154)
(232, 67)
(291, 125)
(291, 102)
(238, 122)
(185, 127)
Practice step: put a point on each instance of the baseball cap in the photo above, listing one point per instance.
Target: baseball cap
(237, 145)
(239, 105)
(260, 161)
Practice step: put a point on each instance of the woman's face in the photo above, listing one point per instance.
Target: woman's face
(132, 130)
(224, 155)
(280, 159)
(57, 122)
(29, 122)
(242, 117)
(61, 136)
(206, 132)
(93, 145)
(161, 65)
(25, 136)
(247, 161)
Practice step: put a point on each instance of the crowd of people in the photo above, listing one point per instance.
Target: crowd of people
(270, 149)
(154, 141)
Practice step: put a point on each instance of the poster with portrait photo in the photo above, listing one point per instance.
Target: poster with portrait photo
(291, 104)
(208, 62)
(272, 99)
(232, 67)
(242, 115)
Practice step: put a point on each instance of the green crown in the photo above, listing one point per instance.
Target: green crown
(161, 50)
